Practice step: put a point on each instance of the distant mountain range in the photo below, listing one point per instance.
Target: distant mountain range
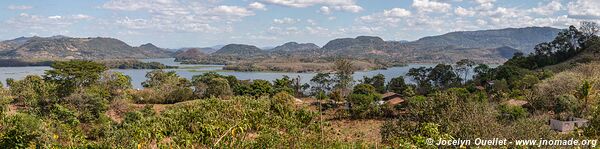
(62, 47)
(485, 46)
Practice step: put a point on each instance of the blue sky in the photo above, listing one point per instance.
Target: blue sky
(200, 23)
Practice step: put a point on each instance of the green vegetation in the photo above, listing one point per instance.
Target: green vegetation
(78, 104)
(134, 64)
(22, 63)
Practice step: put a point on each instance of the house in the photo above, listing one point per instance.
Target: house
(392, 99)
(569, 125)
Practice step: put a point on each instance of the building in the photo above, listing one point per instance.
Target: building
(392, 99)
(569, 125)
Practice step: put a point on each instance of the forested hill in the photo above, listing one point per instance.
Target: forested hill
(523, 39)
(62, 47)
(486, 46)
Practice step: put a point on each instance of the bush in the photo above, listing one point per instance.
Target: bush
(218, 87)
(65, 115)
(164, 88)
(510, 113)
(21, 131)
(91, 103)
(5, 99)
(32, 90)
(364, 105)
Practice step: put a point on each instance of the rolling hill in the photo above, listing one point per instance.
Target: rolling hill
(62, 47)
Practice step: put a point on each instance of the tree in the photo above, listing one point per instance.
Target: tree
(74, 74)
(443, 76)
(362, 101)
(464, 66)
(116, 82)
(261, 88)
(364, 89)
(218, 87)
(284, 84)
(201, 82)
(343, 72)
(166, 87)
(158, 77)
(377, 81)
(321, 83)
(420, 75)
(483, 74)
(32, 90)
(397, 85)
(589, 29)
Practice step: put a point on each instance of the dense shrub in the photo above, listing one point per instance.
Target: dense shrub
(32, 90)
(21, 131)
(164, 88)
(218, 87)
(510, 113)
(363, 102)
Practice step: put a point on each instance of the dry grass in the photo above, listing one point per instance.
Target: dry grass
(367, 131)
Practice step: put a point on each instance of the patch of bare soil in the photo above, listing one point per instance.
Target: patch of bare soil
(354, 130)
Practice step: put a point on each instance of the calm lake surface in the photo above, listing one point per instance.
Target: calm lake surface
(187, 71)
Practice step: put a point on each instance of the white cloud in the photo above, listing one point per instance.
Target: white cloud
(286, 20)
(430, 6)
(311, 22)
(19, 7)
(485, 1)
(132, 5)
(584, 9)
(396, 12)
(284, 31)
(55, 17)
(389, 17)
(257, 6)
(184, 16)
(349, 8)
(231, 11)
(548, 9)
(341, 5)
(325, 10)
(460, 11)
(82, 16)
(54, 24)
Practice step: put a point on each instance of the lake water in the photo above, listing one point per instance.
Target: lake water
(187, 71)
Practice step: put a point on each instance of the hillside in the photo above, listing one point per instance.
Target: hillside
(523, 39)
(587, 55)
(206, 50)
(294, 46)
(193, 53)
(61, 47)
(239, 50)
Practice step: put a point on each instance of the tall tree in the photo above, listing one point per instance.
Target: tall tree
(218, 87)
(70, 75)
(343, 72)
(420, 76)
(589, 29)
(377, 81)
(321, 82)
(285, 84)
(443, 76)
(397, 85)
(464, 66)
